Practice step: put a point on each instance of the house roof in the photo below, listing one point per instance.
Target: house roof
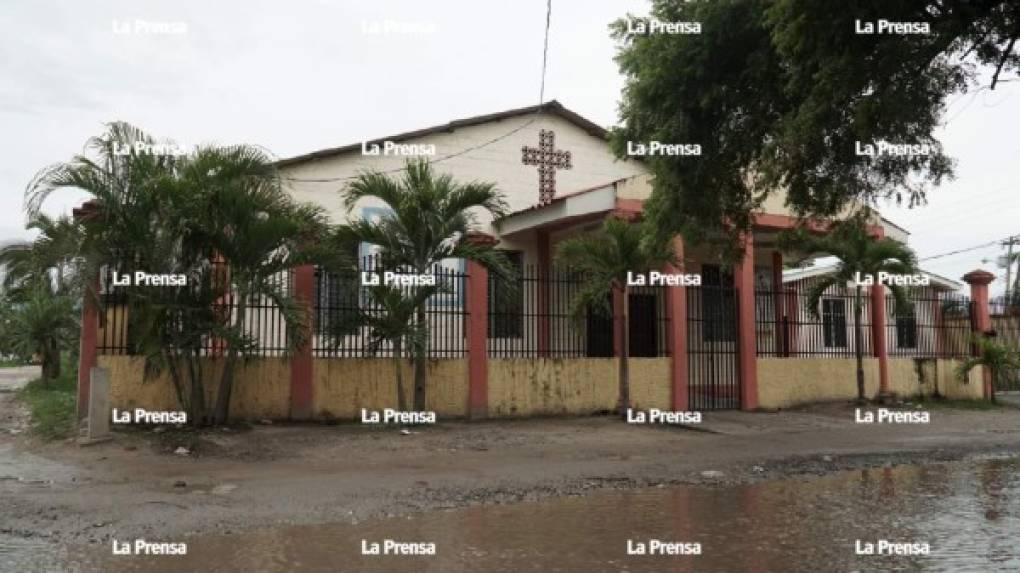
(552, 107)
(792, 275)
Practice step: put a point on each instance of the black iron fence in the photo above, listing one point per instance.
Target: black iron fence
(532, 317)
(361, 314)
(191, 313)
(788, 324)
(932, 324)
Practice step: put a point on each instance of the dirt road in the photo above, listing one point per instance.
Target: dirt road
(272, 475)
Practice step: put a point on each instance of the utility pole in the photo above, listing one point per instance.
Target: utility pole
(1009, 264)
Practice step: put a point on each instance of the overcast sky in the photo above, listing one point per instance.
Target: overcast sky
(299, 76)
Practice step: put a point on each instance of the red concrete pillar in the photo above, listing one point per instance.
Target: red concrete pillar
(88, 348)
(301, 359)
(542, 293)
(676, 334)
(878, 338)
(477, 326)
(743, 281)
(980, 319)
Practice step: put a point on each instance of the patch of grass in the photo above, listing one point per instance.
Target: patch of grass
(52, 405)
(13, 363)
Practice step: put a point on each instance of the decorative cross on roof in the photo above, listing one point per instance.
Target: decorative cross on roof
(548, 160)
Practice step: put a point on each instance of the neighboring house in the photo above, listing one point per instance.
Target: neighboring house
(921, 329)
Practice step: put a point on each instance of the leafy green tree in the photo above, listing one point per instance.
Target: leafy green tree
(992, 354)
(604, 258)
(858, 254)
(779, 92)
(429, 219)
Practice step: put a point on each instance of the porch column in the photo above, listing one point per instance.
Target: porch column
(676, 334)
(88, 348)
(301, 359)
(878, 339)
(476, 330)
(542, 292)
(743, 281)
(980, 319)
(777, 303)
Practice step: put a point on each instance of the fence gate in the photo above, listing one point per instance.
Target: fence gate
(713, 375)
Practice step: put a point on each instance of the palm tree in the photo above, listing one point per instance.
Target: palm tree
(996, 356)
(858, 254)
(34, 271)
(604, 258)
(429, 219)
(256, 233)
(182, 215)
(393, 321)
(47, 260)
(40, 324)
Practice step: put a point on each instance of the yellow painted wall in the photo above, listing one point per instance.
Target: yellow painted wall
(952, 387)
(342, 387)
(551, 386)
(650, 386)
(786, 382)
(261, 386)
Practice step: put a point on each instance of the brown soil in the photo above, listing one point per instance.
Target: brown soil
(261, 476)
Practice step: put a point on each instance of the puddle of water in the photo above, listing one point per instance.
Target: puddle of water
(968, 513)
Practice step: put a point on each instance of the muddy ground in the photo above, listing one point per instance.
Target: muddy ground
(260, 476)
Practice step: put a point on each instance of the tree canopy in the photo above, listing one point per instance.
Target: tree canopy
(779, 93)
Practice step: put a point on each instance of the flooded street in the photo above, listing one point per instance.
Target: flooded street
(968, 513)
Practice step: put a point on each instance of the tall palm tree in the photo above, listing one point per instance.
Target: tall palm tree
(604, 258)
(47, 260)
(258, 232)
(179, 215)
(429, 219)
(858, 254)
(393, 321)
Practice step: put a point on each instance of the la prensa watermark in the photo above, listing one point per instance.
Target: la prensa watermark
(139, 27)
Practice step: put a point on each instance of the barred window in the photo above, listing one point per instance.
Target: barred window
(834, 322)
(906, 329)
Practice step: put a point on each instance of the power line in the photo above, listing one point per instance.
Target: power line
(538, 111)
(968, 249)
